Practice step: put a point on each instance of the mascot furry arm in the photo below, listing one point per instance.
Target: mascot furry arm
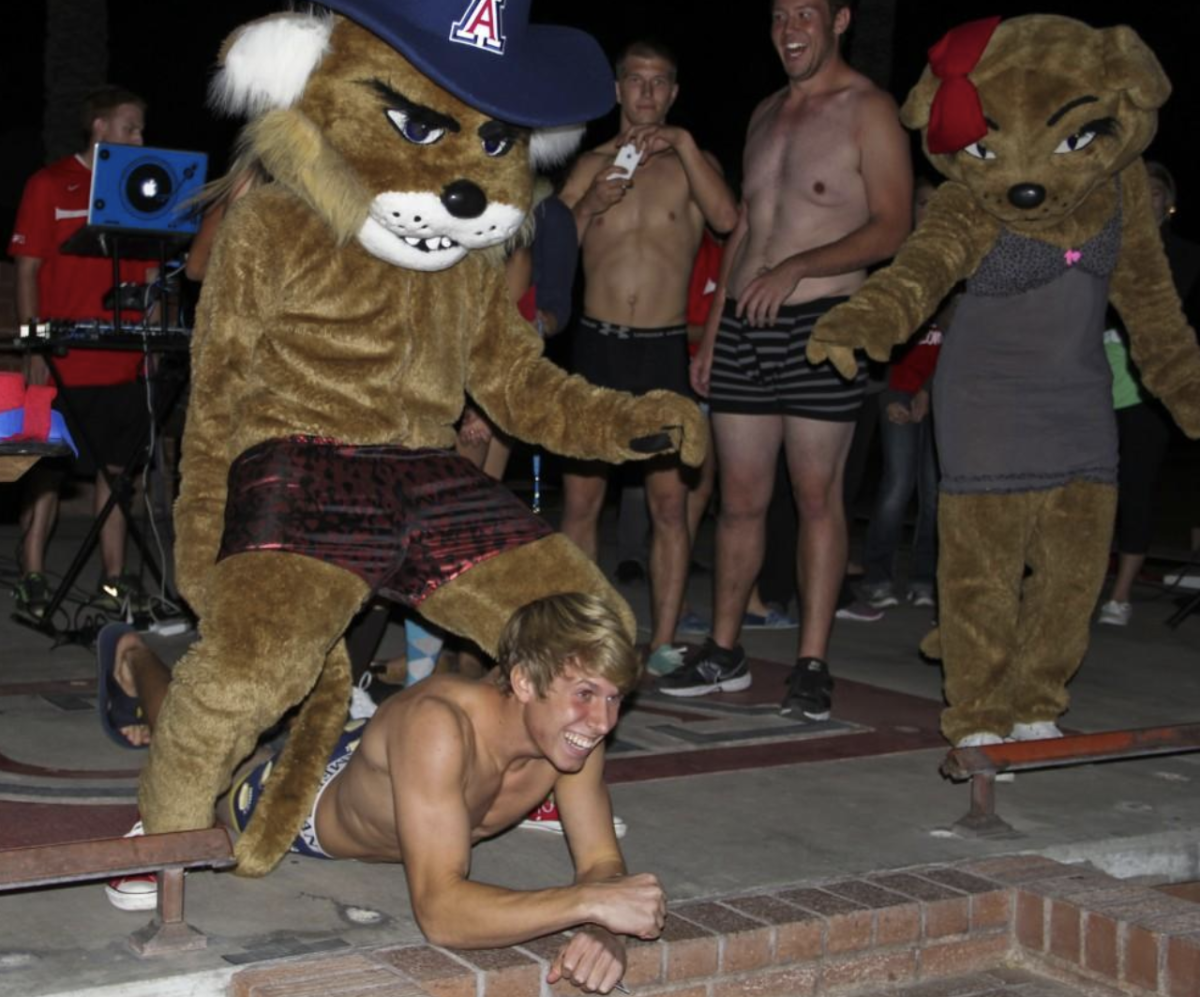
(1087, 176)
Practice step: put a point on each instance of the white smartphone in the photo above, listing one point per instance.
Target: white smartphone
(628, 157)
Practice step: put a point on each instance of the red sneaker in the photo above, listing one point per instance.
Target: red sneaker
(545, 818)
(138, 892)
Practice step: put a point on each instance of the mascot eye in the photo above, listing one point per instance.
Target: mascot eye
(979, 151)
(417, 132)
(1073, 143)
(497, 145)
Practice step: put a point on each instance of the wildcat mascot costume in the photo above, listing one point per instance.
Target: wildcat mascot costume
(348, 306)
(1038, 124)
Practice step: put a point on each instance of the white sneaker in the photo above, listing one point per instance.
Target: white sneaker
(1039, 730)
(1115, 614)
(138, 892)
(980, 739)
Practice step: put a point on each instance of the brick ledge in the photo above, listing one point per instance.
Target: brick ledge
(888, 929)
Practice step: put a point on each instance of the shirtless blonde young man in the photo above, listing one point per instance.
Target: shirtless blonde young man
(451, 761)
(827, 193)
(639, 235)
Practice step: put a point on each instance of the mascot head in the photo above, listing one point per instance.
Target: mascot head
(1033, 113)
(413, 126)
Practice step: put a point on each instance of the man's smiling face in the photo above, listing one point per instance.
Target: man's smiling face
(572, 719)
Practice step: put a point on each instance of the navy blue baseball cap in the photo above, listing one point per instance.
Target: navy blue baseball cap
(487, 54)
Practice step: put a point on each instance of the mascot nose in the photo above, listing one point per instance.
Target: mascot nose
(1026, 195)
(464, 200)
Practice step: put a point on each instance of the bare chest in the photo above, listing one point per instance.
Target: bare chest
(658, 203)
(809, 152)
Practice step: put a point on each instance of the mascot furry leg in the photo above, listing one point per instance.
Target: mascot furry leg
(1011, 642)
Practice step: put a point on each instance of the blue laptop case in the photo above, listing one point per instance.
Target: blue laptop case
(145, 191)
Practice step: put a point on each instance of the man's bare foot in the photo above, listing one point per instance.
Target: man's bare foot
(118, 699)
(138, 735)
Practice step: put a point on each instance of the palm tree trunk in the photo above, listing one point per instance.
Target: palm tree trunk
(76, 62)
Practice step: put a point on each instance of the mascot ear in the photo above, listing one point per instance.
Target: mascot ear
(550, 147)
(1129, 65)
(266, 64)
(914, 115)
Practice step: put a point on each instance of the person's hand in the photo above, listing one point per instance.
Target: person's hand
(653, 138)
(630, 905)
(594, 960)
(920, 405)
(474, 429)
(898, 413)
(607, 188)
(700, 367)
(762, 298)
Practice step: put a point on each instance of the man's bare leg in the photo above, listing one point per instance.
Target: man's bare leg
(583, 499)
(747, 448)
(114, 530)
(816, 456)
(140, 673)
(38, 517)
(670, 549)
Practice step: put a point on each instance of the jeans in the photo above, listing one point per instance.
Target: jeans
(909, 463)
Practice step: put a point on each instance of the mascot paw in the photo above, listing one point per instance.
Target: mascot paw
(930, 647)
(663, 422)
(842, 358)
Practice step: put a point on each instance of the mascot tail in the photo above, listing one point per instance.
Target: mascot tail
(288, 795)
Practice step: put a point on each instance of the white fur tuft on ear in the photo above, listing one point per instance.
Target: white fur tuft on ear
(265, 64)
(550, 147)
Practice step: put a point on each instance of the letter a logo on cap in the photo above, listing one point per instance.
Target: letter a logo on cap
(480, 26)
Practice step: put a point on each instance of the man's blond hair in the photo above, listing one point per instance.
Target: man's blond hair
(549, 635)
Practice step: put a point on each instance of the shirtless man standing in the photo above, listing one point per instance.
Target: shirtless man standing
(827, 193)
(639, 236)
(451, 761)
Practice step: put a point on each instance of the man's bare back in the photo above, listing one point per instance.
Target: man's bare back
(357, 816)
(638, 254)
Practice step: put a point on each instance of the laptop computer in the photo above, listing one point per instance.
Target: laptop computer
(144, 191)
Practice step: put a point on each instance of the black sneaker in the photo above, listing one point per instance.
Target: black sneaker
(810, 691)
(32, 594)
(708, 668)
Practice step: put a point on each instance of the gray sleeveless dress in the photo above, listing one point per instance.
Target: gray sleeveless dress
(1023, 390)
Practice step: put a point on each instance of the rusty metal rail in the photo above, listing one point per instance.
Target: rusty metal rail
(982, 764)
(167, 855)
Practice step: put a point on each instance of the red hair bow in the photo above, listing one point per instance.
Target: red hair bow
(956, 117)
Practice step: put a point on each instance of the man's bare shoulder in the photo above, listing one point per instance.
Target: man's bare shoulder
(583, 171)
(768, 104)
(440, 712)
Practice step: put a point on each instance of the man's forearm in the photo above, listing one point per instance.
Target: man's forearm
(27, 289)
(477, 915)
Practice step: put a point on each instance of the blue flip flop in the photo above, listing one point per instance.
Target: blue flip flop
(116, 709)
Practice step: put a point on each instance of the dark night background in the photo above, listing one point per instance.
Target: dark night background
(165, 51)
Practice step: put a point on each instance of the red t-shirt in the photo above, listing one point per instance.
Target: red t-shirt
(53, 207)
(912, 367)
(702, 284)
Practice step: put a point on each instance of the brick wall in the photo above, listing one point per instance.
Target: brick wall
(900, 929)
